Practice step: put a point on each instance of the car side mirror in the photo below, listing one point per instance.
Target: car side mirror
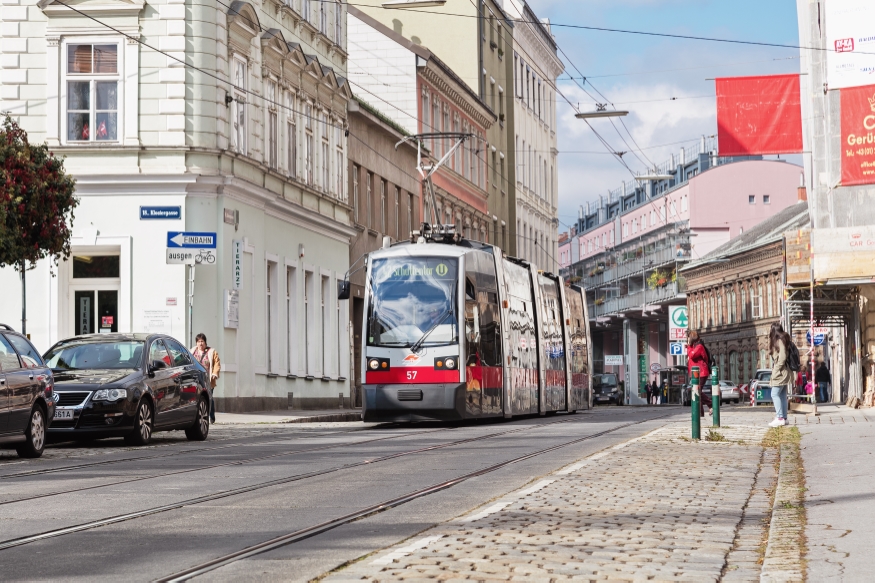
(156, 365)
(343, 289)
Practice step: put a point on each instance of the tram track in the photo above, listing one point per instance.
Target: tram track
(16, 542)
(311, 531)
(246, 461)
(275, 437)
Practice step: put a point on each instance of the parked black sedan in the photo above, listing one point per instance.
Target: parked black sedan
(26, 402)
(127, 385)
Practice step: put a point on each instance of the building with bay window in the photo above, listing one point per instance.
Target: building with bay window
(209, 118)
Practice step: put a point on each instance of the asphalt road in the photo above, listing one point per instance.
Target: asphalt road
(180, 504)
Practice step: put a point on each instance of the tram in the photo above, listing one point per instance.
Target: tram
(454, 329)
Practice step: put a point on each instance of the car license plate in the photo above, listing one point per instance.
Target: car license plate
(63, 413)
(603, 398)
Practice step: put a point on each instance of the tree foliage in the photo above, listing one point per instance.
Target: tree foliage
(36, 200)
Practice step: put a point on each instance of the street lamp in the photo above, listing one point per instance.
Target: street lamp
(414, 3)
(601, 110)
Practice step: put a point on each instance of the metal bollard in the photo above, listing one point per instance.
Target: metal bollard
(695, 403)
(715, 398)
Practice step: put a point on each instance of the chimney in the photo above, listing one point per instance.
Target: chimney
(801, 192)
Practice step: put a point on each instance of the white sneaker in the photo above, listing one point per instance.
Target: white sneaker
(777, 423)
(786, 422)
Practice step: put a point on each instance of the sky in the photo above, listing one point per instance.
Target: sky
(639, 74)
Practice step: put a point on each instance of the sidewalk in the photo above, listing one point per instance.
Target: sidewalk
(290, 416)
(659, 507)
(839, 457)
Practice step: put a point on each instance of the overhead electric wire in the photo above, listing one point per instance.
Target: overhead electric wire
(655, 71)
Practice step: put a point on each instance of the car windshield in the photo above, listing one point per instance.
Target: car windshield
(606, 379)
(409, 297)
(764, 375)
(95, 355)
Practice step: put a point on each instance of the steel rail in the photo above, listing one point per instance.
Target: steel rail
(11, 543)
(311, 531)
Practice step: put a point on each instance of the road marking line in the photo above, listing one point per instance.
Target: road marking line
(404, 551)
(504, 503)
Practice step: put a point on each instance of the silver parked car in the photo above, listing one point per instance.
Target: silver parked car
(729, 391)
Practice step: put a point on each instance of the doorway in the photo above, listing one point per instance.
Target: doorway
(95, 294)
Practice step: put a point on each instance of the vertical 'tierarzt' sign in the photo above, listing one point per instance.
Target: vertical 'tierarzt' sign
(237, 268)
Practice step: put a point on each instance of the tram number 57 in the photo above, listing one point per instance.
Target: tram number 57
(411, 374)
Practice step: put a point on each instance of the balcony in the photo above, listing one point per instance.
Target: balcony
(635, 301)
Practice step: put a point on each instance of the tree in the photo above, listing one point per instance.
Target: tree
(36, 205)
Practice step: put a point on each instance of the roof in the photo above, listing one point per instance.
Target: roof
(769, 231)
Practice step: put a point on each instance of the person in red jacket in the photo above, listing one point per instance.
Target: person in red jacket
(697, 355)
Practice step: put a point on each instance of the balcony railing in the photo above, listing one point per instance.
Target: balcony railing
(636, 300)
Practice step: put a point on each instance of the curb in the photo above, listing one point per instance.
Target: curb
(336, 418)
(783, 560)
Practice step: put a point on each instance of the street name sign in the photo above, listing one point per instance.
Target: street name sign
(166, 213)
(820, 335)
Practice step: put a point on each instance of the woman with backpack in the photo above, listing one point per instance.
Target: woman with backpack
(780, 346)
(698, 355)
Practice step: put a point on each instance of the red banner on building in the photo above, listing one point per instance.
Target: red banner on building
(858, 135)
(759, 115)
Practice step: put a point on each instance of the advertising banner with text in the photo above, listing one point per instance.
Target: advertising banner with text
(858, 135)
(850, 38)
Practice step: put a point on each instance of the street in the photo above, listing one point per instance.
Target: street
(248, 485)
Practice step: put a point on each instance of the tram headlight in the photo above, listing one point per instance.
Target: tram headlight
(374, 364)
(450, 363)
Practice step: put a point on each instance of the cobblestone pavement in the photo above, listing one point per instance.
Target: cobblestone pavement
(659, 507)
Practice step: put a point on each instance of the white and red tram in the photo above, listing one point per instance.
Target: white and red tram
(459, 331)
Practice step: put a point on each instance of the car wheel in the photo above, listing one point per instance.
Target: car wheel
(201, 427)
(35, 434)
(141, 434)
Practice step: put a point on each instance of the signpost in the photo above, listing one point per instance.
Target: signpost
(677, 348)
(613, 360)
(190, 248)
(165, 213)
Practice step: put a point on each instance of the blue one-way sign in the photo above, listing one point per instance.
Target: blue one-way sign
(178, 240)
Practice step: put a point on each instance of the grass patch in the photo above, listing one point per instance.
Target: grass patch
(714, 436)
(780, 435)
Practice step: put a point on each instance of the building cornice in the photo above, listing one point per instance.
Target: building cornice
(476, 110)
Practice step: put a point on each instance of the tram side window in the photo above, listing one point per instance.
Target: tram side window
(481, 310)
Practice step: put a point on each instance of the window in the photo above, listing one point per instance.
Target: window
(272, 124)
(355, 193)
(308, 318)
(426, 111)
(158, 353)
(383, 206)
(92, 92)
(757, 302)
(178, 354)
(457, 155)
(326, 326)
(767, 199)
(238, 135)
(324, 161)
(369, 185)
(305, 9)
(308, 143)
(291, 136)
(338, 22)
(436, 145)
(323, 17)
(291, 319)
(397, 225)
(410, 212)
(272, 312)
(30, 358)
(743, 304)
(751, 199)
(720, 310)
(770, 305)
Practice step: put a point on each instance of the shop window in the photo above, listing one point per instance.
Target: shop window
(90, 266)
(92, 76)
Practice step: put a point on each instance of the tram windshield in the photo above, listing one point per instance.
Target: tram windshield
(412, 297)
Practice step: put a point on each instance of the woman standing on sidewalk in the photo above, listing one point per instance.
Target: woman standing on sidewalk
(209, 359)
(697, 355)
(782, 377)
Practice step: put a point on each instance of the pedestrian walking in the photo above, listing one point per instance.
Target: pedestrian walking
(649, 388)
(654, 390)
(698, 355)
(822, 378)
(663, 392)
(209, 359)
(782, 376)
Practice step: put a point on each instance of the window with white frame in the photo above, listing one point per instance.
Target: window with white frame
(308, 143)
(323, 130)
(436, 144)
(369, 186)
(272, 313)
(397, 213)
(323, 18)
(93, 79)
(383, 206)
(291, 136)
(338, 22)
(272, 124)
(410, 212)
(291, 320)
(326, 326)
(457, 155)
(305, 9)
(238, 109)
(308, 321)
(341, 162)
